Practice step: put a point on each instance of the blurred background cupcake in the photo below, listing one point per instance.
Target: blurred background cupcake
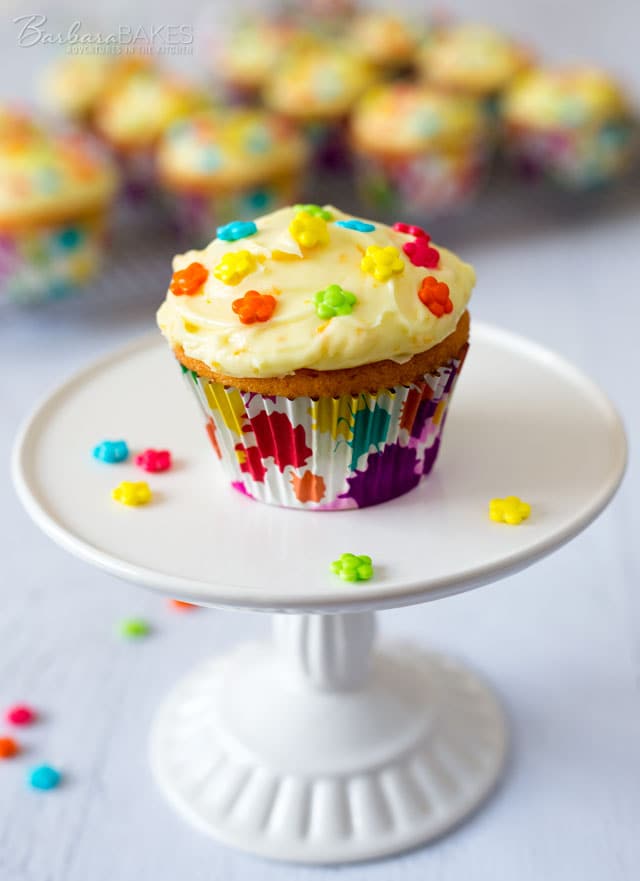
(573, 125)
(315, 86)
(249, 54)
(473, 59)
(419, 151)
(140, 104)
(220, 166)
(387, 41)
(55, 192)
(73, 85)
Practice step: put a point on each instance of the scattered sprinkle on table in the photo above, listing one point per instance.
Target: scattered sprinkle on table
(21, 714)
(44, 777)
(134, 628)
(181, 606)
(353, 567)
(8, 747)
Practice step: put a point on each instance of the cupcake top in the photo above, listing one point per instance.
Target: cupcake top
(312, 287)
(219, 150)
(317, 80)
(142, 104)
(73, 85)
(252, 50)
(406, 118)
(472, 58)
(384, 39)
(50, 176)
(564, 98)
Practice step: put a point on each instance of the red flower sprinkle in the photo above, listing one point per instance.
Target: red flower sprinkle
(154, 460)
(435, 296)
(409, 230)
(188, 281)
(21, 714)
(254, 306)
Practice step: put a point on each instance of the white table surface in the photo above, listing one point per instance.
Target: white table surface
(560, 642)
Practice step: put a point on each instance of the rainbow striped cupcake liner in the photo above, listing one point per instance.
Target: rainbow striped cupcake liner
(327, 454)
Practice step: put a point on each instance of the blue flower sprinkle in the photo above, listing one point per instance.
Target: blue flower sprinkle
(237, 229)
(44, 777)
(358, 225)
(111, 452)
(70, 238)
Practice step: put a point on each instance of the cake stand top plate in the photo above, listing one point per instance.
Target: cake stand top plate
(524, 422)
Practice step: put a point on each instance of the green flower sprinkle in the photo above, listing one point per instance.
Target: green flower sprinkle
(333, 301)
(133, 628)
(353, 567)
(315, 211)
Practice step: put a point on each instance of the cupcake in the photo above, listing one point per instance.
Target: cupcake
(219, 166)
(573, 125)
(386, 41)
(73, 85)
(140, 105)
(418, 149)
(55, 192)
(474, 60)
(323, 350)
(315, 86)
(250, 53)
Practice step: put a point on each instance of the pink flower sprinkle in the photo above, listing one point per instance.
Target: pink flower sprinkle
(154, 460)
(21, 714)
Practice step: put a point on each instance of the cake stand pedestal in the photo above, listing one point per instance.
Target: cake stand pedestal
(314, 747)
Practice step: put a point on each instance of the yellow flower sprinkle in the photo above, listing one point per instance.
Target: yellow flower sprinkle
(511, 510)
(382, 263)
(309, 230)
(234, 266)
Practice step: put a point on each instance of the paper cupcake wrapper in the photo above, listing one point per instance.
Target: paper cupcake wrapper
(45, 262)
(198, 214)
(432, 184)
(329, 453)
(579, 159)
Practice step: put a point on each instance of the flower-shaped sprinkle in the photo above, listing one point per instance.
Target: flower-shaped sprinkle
(333, 301)
(353, 567)
(358, 225)
(315, 211)
(419, 251)
(237, 229)
(111, 452)
(511, 510)
(254, 306)
(408, 229)
(382, 263)
(154, 460)
(234, 266)
(133, 494)
(309, 230)
(188, 281)
(435, 296)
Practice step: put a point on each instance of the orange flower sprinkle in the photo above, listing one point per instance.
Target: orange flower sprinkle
(188, 281)
(254, 306)
(435, 296)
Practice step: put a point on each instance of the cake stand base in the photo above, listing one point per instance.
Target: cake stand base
(310, 749)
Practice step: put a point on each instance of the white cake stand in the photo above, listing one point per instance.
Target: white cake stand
(313, 748)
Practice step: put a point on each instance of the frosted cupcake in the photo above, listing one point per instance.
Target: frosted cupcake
(74, 84)
(316, 86)
(573, 125)
(250, 53)
(418, 149)
(386, 41)
(323, 350)
(55, 192)
(219, 166)
(135, 112)
(472, 59)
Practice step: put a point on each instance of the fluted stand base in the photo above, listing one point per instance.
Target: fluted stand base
(313, 749)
